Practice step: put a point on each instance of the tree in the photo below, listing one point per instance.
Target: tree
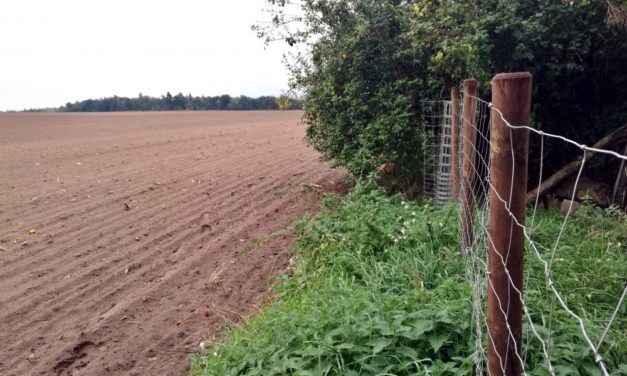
(368, 65)
(178, 102)
(223, 102)
(168, 101)
(284, 102)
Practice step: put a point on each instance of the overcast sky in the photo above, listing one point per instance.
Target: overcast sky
(53, 52)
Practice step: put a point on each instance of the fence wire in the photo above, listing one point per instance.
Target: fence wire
(437, 151)
(551, 310)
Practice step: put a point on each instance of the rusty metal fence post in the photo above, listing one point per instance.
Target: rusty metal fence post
(511, 95)
(469, 134)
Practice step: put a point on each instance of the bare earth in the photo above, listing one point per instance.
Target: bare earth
(152, 232)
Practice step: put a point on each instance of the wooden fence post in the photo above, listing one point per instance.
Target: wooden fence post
(511, 95)
(455, 142)
(469, 134)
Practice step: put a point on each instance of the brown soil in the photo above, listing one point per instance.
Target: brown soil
(128, 238)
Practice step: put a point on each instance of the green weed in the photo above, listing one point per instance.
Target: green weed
(382, 290)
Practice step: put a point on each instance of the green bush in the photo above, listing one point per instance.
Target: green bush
(369, 64)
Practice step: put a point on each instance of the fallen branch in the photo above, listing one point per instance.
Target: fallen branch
(617, 137)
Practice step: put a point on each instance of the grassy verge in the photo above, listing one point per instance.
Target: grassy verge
(379, 289)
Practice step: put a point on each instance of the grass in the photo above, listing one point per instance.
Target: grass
(589, 268)
(379, 288)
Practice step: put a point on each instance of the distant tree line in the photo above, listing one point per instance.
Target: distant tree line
(180, 102)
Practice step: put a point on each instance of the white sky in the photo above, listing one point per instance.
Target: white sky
(53, 52)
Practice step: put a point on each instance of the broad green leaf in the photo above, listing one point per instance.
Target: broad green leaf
(379, 344)
(437, 340)
(407, 351)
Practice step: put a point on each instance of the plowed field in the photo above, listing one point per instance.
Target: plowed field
(128, 238)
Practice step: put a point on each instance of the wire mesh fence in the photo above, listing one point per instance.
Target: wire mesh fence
(561, 310)
(437, 151)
